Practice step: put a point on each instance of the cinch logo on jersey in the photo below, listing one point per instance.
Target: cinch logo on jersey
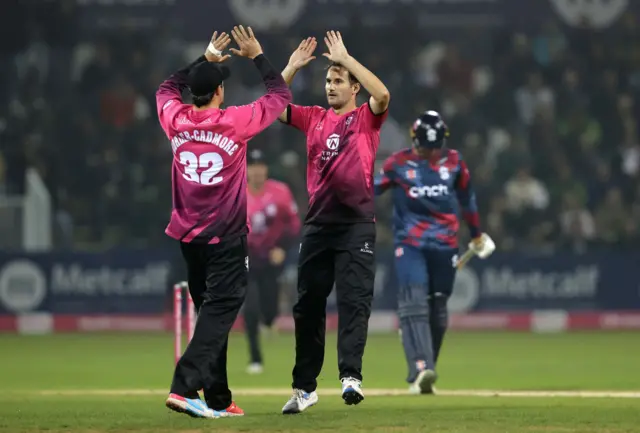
(429, 191)
(224, 143)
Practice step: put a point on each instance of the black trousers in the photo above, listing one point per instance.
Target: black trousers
(343, 254)
(261, 304)
(217, 276)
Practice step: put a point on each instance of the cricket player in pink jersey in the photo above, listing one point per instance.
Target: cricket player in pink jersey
(275, 225)
(339, 234)
(209, 217)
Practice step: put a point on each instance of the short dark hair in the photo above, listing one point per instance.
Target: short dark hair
(201, 101)
(204, 79)
(352, 78)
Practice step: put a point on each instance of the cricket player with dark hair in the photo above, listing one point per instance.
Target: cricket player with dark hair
(209, 216)
(339, 234)
(275, 225)
(430, 185)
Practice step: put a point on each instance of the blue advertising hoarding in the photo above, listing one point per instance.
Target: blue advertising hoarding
(597, 281)
(72, 283)
(139, 282)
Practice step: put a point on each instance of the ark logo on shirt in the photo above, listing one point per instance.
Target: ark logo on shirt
(333, 142)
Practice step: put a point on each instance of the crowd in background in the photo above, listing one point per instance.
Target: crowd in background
(548, 123)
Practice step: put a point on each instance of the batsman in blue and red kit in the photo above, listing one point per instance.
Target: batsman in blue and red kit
(430, 187)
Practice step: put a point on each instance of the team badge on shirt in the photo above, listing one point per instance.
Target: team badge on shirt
(411, 174)
(333, 141)
(444, 173)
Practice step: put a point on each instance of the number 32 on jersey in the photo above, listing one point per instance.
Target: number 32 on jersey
(210, 162)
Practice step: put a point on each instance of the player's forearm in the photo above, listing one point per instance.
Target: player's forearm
(372, 84)
(287, 74)
(467, 200)
(274, 82)
(177, 82)
(171, 88)
(473, 222)
(381, 183)
(278, 95)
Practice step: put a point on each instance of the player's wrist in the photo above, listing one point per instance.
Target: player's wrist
(211, 49)
(475, 233)
(291, 68)
(253, 57)
(346, 61)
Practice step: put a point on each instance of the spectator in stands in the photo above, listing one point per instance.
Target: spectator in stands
(613, 221)
(553, 99)
(455, 74)
(577, 227)
(524, 192)
(535, 96)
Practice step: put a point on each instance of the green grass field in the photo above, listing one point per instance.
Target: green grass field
(117, 383)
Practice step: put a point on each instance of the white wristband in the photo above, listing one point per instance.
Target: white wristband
(213, 50)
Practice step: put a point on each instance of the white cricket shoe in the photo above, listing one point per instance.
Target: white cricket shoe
(300, 401)
(255, 368)
(424, 383)
(351, 390)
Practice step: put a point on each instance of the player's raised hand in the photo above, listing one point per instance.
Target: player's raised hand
(217, 45)
(303, 54)
(247, 43)
(337, 51)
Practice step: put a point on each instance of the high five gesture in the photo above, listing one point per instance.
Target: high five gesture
(303, 54)
(217, 45)
(300, 58)
(247, 42)
(342, 141)
(337, 51)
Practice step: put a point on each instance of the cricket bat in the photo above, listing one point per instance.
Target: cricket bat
(464, 258)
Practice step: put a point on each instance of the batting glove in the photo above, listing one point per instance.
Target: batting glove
(483, 246)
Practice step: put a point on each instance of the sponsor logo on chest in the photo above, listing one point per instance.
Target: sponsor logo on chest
(332, 144)
(437, 187)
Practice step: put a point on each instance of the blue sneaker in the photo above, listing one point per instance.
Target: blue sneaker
(194, 407)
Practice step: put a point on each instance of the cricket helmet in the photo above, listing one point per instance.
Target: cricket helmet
(429, 131)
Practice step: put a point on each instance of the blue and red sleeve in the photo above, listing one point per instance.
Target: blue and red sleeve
(467, 199)
(385, 178)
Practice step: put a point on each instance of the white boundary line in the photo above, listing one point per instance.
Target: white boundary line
(369, 392)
